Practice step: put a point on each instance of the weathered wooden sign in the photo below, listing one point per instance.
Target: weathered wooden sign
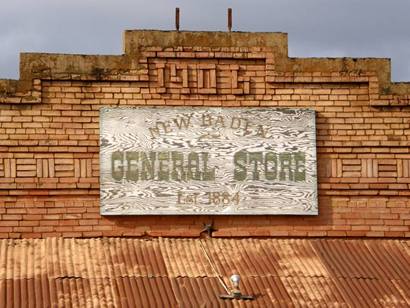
(224, 161)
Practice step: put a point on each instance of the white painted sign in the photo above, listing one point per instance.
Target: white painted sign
(222, 161)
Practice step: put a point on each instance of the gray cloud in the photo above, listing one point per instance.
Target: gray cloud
(317, 28)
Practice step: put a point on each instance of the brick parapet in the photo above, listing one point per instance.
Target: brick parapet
(138, 45)
(49, 132)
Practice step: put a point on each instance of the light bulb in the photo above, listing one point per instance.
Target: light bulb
(235, 280)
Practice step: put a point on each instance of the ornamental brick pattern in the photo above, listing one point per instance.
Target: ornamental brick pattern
(49, 132)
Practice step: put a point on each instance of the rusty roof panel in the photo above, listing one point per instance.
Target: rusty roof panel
(311, 257)
(295, 257)
(97, 258)
(256, 257)
(22, 259)
(144, 292)
(185, 258)
(105, 258)
(201, 292)
(61, 292)
(364, 258)
(398, 253)
(121, 272)
(131, 257)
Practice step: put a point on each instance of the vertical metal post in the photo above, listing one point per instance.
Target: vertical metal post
(177, 18)
(229, 19)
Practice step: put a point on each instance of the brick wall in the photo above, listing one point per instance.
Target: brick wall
(49, 131)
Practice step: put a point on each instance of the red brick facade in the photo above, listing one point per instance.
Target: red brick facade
(49, 132)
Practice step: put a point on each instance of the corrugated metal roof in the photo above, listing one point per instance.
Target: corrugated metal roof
(122, 272)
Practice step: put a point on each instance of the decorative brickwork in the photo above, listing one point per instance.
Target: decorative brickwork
(49, 132)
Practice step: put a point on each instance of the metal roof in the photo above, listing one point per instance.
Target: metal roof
(165, 272)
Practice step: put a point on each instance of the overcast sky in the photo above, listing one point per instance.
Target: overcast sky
(317, 28)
